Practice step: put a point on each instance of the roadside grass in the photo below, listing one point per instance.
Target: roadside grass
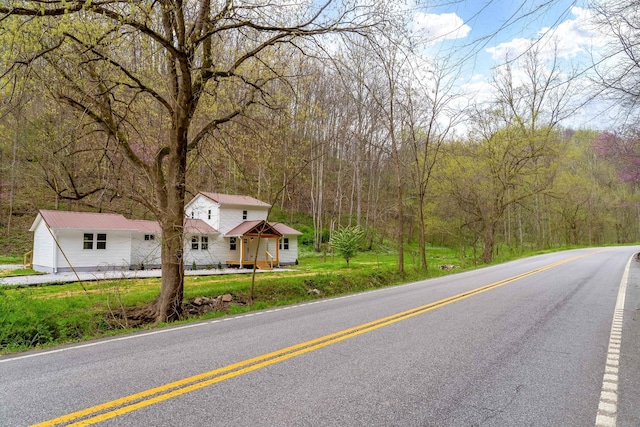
(43, 316)
(10, 259)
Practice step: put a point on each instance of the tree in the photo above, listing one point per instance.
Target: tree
(427, 121)
(618, 69)
(160, 78)
(622, 149)
(346, 241)
(392, 60)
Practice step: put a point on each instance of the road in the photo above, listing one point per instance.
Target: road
(528, 343)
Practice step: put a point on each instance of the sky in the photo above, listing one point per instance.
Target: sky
(485, 33)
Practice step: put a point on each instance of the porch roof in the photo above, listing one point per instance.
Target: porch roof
(254, 228)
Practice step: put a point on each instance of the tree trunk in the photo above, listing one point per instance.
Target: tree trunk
(170, 191)
(168, 304)
(423, 234)
(489, 244)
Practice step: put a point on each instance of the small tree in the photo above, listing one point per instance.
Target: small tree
(346, 242)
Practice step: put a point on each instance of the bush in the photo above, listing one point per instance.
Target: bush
(346, 242)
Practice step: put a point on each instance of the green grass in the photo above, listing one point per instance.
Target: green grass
(42, 316)
(10, 259)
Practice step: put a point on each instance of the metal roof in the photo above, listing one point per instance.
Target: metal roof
(236, 200)
(86, 220)
(146, 226)
(107, 221)
(198, 226)
(254, 228)
(285, 229)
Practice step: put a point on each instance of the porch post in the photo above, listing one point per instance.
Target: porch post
(242, 251)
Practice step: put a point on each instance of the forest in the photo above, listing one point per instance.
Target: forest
(336, 118)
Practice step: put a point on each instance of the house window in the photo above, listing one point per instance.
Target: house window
(149, 237)
(209, 214)
(101, 241)
(232, 243)
(284, 243)
(88, 241)
(244, 214)
(204, 243)
(194, 243)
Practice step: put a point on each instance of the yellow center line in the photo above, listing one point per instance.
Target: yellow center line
(173, 389)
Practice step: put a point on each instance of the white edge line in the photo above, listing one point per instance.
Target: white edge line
(608, 404)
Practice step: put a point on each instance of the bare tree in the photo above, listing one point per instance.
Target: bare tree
(618, 68)
(159, 78)
(428, 119)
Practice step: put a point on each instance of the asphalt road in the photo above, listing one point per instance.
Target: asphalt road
(527, 343)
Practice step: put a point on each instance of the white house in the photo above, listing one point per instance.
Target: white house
(245, 236)
(219, 229)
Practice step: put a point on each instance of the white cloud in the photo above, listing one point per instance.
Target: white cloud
(434, 28)
(568, 40)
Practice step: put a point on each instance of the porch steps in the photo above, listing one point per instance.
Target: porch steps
(263, 265)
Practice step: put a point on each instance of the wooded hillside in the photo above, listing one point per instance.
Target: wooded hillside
(365, 135)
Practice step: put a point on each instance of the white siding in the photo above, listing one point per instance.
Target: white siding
(117, 254)
(208, 258)
(146, 253)
(43, 247)
(231, 217)
(289, 256)
(226, 254)
(199, 208)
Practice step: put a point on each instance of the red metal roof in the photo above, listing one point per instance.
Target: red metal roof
(107, 221)
(284, 229)
(198, 226)
(146, 226)
(233, 199)
(86, 220)
(253, 227)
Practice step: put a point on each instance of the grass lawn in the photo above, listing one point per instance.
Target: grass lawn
(10, 260)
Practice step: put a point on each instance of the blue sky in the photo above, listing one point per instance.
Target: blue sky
(482, 26)
(486, 32)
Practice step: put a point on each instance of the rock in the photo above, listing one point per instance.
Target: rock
(227, 298)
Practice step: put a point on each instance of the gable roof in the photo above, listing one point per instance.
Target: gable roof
(234, 199)
(254, 228)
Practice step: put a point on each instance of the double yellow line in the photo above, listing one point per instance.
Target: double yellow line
(164, 392)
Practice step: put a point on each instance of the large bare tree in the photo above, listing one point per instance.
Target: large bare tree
(159, 77)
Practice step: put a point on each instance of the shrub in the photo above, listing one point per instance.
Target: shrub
(346, 242)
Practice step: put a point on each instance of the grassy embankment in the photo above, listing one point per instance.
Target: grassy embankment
(42, 316)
